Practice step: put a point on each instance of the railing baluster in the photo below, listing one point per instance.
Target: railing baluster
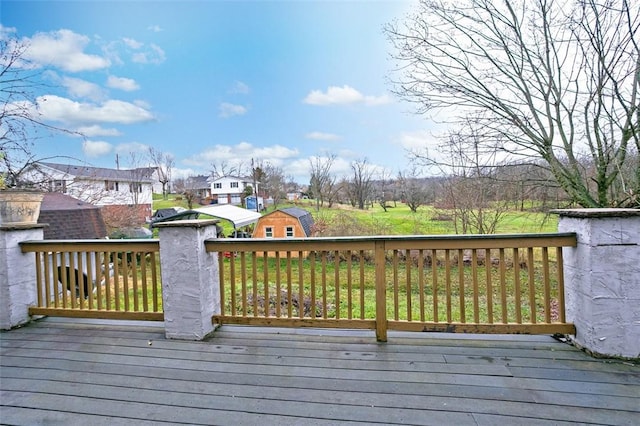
(532, 286)
(313, 283)
(362, 285)
(254, 294)
(48, 285)
(134, 279)
(547, 285)
(265, 278)
(408, 284)
(289, 287)
(349, 259)
(434, 278)
(516, 277)
(155, 282)
(474, 273)
(39, 278)
(324, 283)
(488, 267)
(232, 286)
(461, 287)
(396, 289)
(503, 286)
(278, 286)
(447, 273)
(336, 279)
(301, 295)
(143, 282)
(243, 289)
(421, 283)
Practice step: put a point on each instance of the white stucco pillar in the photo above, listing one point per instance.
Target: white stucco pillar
(602, 279)
(190, 292)
(17, 274)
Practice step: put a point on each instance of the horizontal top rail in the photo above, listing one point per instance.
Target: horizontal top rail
(392, 242)
(90, 245)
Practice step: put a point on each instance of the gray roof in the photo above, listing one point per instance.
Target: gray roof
(141, 174)
(305, 218)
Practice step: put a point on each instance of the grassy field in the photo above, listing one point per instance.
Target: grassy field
(398, 220)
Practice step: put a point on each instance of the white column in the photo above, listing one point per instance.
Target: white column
(190, 290)
(602, 279)
(17, 274)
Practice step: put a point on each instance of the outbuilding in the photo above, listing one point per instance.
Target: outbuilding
(291, 222)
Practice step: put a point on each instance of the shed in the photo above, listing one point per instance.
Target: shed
(291, 222)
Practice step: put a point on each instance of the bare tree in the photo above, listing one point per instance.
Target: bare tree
(20, 121)
(471, 189)
(545, 80)
(273, 183)
(362, 181)
(414, 190)
(224, 168)
(385, 189)
(163, 162)
(322, 180)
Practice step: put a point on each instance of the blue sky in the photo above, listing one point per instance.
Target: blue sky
(219, 81)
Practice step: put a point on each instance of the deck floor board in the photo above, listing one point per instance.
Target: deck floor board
(57, 371)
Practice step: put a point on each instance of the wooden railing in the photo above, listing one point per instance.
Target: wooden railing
(111, 279)
(480, 284)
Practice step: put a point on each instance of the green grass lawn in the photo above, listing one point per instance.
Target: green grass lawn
(398, 220)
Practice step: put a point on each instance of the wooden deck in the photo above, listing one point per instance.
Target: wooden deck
(83, 372)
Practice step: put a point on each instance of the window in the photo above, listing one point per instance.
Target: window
(268, 231)
(289, 231)
(109, 185)
(135, 187)
(234, 184)
(58, 186)
(217, 185)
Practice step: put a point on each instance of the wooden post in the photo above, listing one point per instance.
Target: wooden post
(381, 292)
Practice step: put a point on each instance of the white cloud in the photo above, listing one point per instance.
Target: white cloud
(155, 28)
(342, 96)
(122, 83)
(153, 55)
(417, 140)
(178, 173)
(321, 136)
(133, 44)
(96, 148)
(63, 49)
(239, 88)
(64, 110)
(93, 131)
(79, 88)
(227, 110)
(241, 153)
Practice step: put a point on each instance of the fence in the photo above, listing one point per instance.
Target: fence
(111, 279)
(480, 284)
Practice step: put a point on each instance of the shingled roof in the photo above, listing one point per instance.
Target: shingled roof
(142, 174)
(69, 218)
(305, 218)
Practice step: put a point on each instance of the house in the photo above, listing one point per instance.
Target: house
(230, 189)
(200, 185)
(121, 193)
(68, 218)
(291, 222)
